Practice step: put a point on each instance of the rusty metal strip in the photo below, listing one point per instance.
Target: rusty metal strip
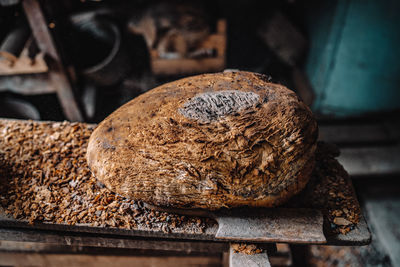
(292, 225)
(273, 225)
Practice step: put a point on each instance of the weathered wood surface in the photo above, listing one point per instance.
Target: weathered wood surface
(358, 133)
(214, 42)
(29, 84)
(367, 161)
(57, 74)
(366, 148)
(382, 207)
(23, 65)
(67, 260)
(108, 241)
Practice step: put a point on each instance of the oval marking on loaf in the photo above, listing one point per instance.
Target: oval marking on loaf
(211, 106)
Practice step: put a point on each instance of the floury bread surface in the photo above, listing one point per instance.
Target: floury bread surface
(209, 141)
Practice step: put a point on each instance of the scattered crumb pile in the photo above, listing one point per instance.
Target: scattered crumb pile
(44, 177)
(249, 249)
(331, 191)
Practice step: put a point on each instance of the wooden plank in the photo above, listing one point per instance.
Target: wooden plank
(368, 149)
(381, 203)
(217, 42)
(187, 66)
(282, 257)
(283, 38)
(176, 66)
(384, 216)
(369, 161)
(356, 133)
(29, 84)
(67, 260)
(302, 86)
(58, 75)
(241, 259)
(37, 247)
(23, 65)
(106, 241)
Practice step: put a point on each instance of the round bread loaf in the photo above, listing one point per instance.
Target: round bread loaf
(209, 141)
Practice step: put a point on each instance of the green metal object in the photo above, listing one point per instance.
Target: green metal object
(354, 56)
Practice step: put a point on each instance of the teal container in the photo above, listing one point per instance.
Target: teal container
(354, 58)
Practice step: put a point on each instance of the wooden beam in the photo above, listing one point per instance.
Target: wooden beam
(58, 76)
(367, 161)
(356, 133)
(90, 240)
(66, 260)
(29, 84)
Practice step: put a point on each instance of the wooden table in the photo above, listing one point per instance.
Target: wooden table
(298, 222)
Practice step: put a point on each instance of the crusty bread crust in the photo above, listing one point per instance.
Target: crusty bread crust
(258, 151)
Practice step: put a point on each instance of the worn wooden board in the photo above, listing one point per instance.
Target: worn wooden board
(67, 260)
(383, 211)
(304, 229)
(352, 134)
(59, 238)
(367, 161)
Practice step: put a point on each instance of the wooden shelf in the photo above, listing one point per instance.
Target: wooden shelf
(215, 42)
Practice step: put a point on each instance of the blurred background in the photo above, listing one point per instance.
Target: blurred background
(80, 60)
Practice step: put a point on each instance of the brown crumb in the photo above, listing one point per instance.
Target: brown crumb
(249, 249)
(330, 190)
(44, 178)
